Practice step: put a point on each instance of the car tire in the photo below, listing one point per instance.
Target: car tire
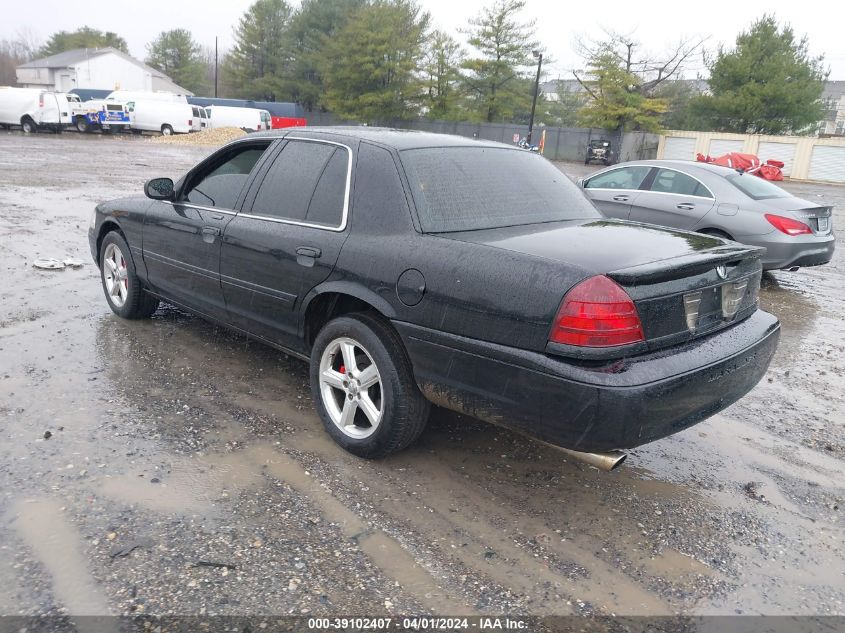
(124, 292)
(368, 419)
(29, 126)
(166, 130)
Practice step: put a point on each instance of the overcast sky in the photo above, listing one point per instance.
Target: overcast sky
(657, 25)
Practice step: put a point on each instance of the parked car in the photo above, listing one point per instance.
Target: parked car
(717, 201)
(599, 149)
(464, 273)
(34, 109)
(249, 119)
(166, 117)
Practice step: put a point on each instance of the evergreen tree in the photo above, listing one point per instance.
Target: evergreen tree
(316, 22)
(769, 84)
(258, 64)
(177, 55)
(503, 48)
(84, 37)
(370, 68)
(441, 75)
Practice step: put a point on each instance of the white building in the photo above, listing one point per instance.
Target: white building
(97, 68)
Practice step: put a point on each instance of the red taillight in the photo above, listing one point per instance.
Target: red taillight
(788, 225)
(190, 122)
(41, 100)
(597, 313)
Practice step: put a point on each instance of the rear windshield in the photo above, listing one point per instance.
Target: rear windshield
(755, 187)
(474, 188)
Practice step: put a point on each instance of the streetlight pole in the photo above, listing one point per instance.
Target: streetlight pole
(215, 66)
(539, 56)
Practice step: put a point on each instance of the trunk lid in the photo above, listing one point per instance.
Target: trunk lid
(683, 284)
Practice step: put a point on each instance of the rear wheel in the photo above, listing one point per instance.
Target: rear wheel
(166, 130)
(28, 125)
(363, 386)
(123, 289)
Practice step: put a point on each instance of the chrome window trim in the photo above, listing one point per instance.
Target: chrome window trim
(664, 193)
(344, 214)
(201, 208)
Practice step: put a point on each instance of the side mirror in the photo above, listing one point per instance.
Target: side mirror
(159, 189)
(580, 182)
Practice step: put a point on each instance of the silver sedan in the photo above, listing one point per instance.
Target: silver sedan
(718, 201)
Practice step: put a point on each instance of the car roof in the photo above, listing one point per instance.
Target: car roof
(389, 137)
(681, 165)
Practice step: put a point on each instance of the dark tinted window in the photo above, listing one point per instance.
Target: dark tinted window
(307, 183)
(622, 178)
(222, 185)
(671, 181)
(470, 188)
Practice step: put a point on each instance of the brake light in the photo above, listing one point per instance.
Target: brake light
(597, 313)
(41, 100)
(788, 225)
(190, 122)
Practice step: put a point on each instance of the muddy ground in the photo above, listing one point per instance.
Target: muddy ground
(170, 466)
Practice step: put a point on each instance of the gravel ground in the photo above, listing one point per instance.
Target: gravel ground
(172, 467)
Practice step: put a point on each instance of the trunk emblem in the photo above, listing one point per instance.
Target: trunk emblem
(691, 302)
(722, 271)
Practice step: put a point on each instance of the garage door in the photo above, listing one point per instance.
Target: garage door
(828, 163)
(679, 148)
(784, 152)
(720, 147)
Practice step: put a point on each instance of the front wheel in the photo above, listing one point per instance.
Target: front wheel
(121, 284)
(363, 387)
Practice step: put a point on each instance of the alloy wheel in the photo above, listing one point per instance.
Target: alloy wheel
(351, 389)
(115, 275)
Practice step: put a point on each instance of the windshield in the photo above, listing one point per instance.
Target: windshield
(755, 187)
(474, 188)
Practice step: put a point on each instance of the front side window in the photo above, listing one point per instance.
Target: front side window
(671, 181)
(622, 178)
(306, 183)
(221, 186)
(475, 188)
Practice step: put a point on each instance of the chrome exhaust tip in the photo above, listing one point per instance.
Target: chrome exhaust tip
(603, 461)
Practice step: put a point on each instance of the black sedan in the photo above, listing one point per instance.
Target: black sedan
(414, 268)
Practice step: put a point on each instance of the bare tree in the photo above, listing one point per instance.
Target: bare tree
(14, 52)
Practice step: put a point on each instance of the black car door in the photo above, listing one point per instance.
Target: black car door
(287, 237)
(181, 240)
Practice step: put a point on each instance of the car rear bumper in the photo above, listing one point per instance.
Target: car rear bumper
(788, 252)
(612, 406)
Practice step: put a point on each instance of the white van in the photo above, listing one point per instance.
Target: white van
(141, 95)
(33, 108)
(161, 116)
(249, 119)
(200, 118)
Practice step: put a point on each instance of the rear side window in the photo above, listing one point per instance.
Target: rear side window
(621, 178)
(671, 181)
(474, 188)
(755, 187)
(306, 183)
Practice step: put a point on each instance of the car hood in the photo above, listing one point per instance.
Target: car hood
(630, 252)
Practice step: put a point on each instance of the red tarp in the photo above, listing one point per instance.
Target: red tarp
(748, 163)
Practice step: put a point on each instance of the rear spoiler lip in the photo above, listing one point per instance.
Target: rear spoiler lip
(685, 265)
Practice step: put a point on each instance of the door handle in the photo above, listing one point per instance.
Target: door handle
(620, 198)
(307, 256)
(209, 233)
(686, 206)
(308, 251)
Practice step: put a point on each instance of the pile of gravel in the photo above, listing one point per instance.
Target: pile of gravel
(217, 136)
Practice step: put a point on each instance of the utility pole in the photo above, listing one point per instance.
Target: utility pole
(215, 66)
(539, 56)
